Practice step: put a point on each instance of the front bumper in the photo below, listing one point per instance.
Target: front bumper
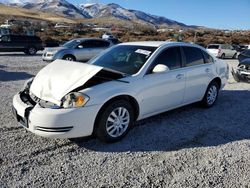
(55, 123)
(241, 75)
(48, 57)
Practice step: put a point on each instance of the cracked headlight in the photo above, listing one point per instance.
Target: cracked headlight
(74, 100)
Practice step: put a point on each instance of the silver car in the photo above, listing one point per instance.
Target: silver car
(222, 51)
(82, 49)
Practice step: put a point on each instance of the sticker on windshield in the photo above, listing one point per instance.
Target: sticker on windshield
(144, 52)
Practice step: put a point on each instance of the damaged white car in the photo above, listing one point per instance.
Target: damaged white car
(126, 83)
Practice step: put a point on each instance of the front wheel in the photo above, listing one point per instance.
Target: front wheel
(114, 121)
(69, 58)
(211, 95)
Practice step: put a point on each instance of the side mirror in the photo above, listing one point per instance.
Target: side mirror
(80, 46)
(160, 68)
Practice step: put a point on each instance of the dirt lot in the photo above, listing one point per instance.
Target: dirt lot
(187, 147)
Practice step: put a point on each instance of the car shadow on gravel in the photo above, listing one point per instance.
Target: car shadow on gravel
(187, 127)
(6, 76)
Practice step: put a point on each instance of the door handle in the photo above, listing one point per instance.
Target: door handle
(207, 70)
(180, 76)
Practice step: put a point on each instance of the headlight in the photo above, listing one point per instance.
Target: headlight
(27, 84)
(74, 100)
(49, 54)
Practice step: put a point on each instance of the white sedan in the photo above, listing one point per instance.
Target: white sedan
(126, 83)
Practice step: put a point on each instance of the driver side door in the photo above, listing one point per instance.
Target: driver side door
(163, 91)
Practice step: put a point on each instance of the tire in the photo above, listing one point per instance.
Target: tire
(69, 58)
(31, 50)
(223, 56)
(114, 121)
(211, 95)
(235, 56)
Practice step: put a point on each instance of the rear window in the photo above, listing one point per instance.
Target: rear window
(213, 47)
(194, 56)
(208, 58)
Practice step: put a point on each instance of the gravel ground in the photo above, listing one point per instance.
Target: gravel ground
(187, 147)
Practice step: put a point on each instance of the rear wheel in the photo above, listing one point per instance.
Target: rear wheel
(31, 50)
(114, 121)
(211, 95)
(69, 58)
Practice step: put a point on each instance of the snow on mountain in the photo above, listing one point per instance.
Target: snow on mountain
(54, 6)
(92, 10)
(96, 10)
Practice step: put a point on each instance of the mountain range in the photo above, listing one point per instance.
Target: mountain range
(95, 10)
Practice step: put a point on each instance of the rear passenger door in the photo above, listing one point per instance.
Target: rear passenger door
(199, 72)
(99, 46)
(18, 42)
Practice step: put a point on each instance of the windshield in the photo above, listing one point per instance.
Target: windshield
(71, 43)
(213, 47)
(124, 58)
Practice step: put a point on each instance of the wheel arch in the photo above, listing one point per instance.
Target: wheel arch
(128, 98)
(217, 80)
(68, 54)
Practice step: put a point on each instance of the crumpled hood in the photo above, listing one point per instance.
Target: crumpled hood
(59, 78)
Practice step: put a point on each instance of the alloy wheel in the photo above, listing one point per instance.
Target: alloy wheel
(117, 122)
(212, 94)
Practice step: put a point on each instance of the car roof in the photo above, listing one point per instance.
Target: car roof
(85, 39)
(158, 44)
(146, 43)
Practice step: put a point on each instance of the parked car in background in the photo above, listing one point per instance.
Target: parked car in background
(20, 43)
(222, 51)
(244, 55)
(242, 72)
(239, 48)
(82, 49)
(128, 82)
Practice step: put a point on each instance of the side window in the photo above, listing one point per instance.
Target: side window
(193, 56)
(102, 44)
(87, 44)
(170, 57)
(207, 58)
(18, 39)
(5, 39)
(95, 44)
